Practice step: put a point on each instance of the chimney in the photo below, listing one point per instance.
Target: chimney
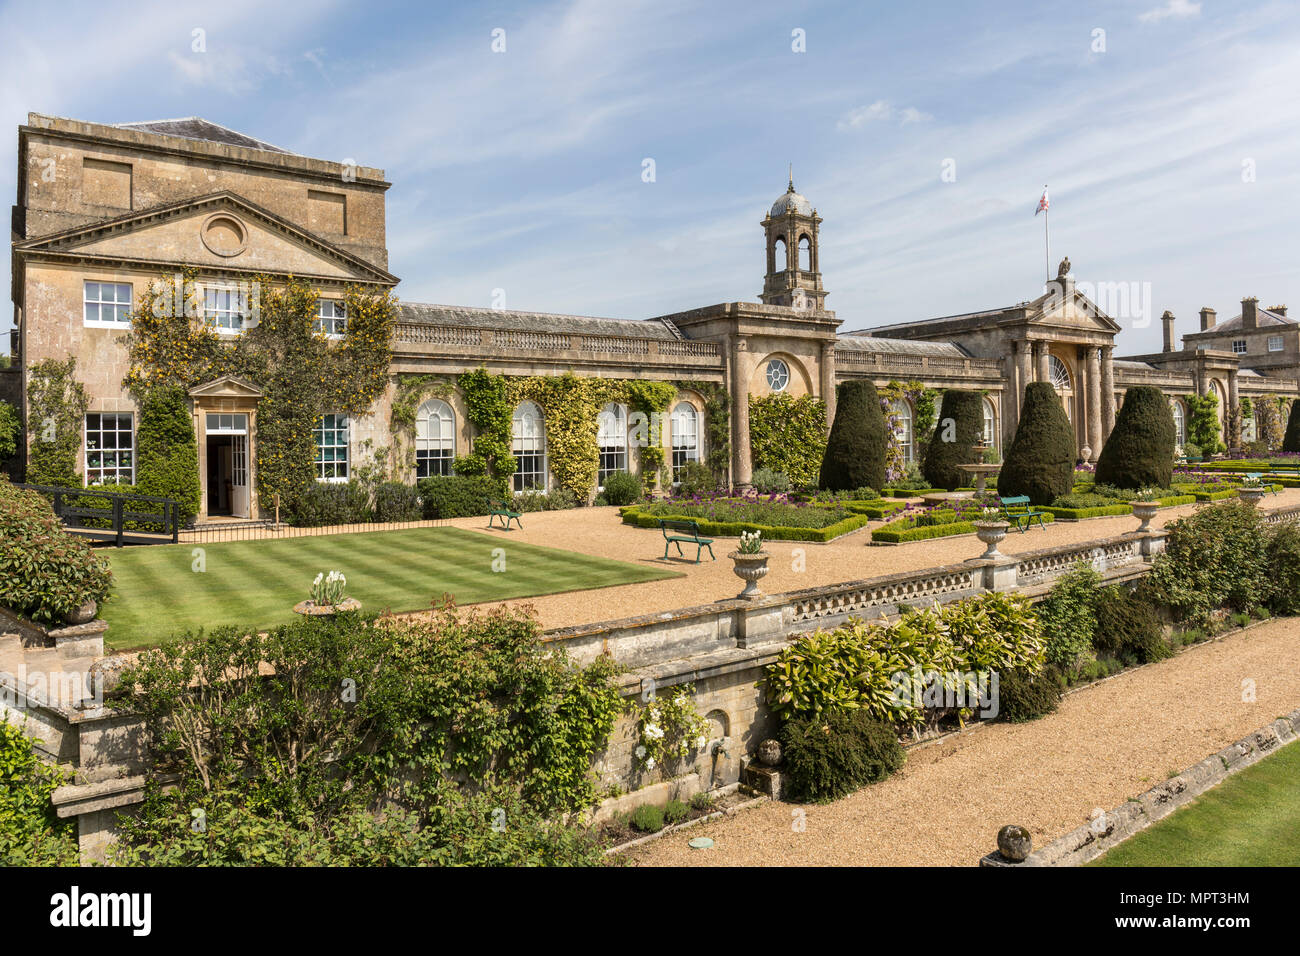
(1278, 310)
(1249, 313)
(1168, 321)
(1207, 318)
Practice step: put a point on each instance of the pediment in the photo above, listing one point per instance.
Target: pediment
(227, 386)
(1074, 310)
(222, 231)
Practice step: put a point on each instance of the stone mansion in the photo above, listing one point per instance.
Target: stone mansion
(102, 210)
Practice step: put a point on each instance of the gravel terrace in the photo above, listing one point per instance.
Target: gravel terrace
(1105, 744)
(598, 531)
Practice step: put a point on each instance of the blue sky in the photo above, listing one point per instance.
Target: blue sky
(522, 170)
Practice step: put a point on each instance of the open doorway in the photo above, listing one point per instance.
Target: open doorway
(227, 473)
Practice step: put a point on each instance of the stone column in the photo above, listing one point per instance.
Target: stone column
(1107, 390)
(1094, 400)
(828, 381)
(741, 465)
(1042, 361)
(1234, 435)
(1024, 368)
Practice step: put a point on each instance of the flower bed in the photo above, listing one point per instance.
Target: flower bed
(1100, 510)
(776, 517)
(875, 510)
(929, 523)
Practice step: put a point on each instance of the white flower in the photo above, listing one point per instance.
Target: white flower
(653, 732)
(650, 764)
(700, 742)
(640, 753)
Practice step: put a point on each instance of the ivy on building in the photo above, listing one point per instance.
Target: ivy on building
(788, 435)
(1203, 429)
(56, 414)
(717, 425)
(923, 401)
(302, 374)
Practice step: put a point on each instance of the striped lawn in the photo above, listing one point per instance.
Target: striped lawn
(158, 594)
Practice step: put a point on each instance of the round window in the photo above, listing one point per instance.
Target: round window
(778, 375)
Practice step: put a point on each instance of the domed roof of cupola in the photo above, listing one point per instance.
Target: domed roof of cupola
(791, 201)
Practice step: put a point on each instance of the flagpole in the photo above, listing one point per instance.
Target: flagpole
(1047, 238)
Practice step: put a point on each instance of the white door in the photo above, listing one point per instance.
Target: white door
(239, 477)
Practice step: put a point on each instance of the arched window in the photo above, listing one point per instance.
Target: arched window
(1180, 421)
(1060, 374)
(612, 439)
(435, 438)
(990, 424)
(528, 445)
(686, 437)
(902, 413)
(780, 254)
(805, 254)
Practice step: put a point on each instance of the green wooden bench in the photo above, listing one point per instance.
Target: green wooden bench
(684, 532)
(1259, 476)
(498, 509)
(1016, 510)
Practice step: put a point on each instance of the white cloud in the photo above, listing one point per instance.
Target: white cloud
(1174, 9)
(880, 110)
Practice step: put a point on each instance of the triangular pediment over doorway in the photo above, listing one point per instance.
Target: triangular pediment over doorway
(227, 386)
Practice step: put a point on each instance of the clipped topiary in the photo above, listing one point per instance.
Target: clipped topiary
(1025, 695)
(959, 427)
(1292, 440)
(1140, 450)
(836, 752)
(168, 453)
(855, 451)
(1040, 462)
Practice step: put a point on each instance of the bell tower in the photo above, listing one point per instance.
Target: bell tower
(793, 269)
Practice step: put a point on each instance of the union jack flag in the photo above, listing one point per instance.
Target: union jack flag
(1042, 203)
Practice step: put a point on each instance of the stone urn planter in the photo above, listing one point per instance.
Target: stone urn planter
(992, 534)
(82, 615)
(1252, 496)
(1144, 511)
(750, 568)
(310, 608)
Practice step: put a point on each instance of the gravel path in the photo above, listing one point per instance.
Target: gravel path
(599, 531)
(1105, 744)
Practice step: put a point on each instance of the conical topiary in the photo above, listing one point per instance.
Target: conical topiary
(1292, 440)
(855, 451)
(1140, 450)
(1040, 461)
(959, 427)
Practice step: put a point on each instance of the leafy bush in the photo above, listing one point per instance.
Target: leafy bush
(395, 501)
(855, 451)
(30, 833)
(1140, 450)
(1291, 440)
(647, 818)
(1068, 616)
(835, 753)
(1213, 558)
(1283, 556)
(1040, 461)
(1191, 450)
(702, 801)
(676, 812)
(1024, 695)
(622, 488)
(45, 573)
(1128, 629)
(788, 434)
(10, 432)
(167, 451)
(329, 503)
(1203, 429)
(959, 428)
(458, 496)
(769, 482)
(561, 499)
(696, 479)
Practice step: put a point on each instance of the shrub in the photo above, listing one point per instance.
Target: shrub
(835, 753)
(1025, 695)
(458, 496)
(1040, 461)
(1213, 558)
(1291, 441)
(769, 482)
(1128, 629)
(10, 431)
(676, 812)
(622, 488)
(788, 434)
(1140, 450)
(959, 428)
(329, 503)
(695, 479)
(1191, 450)
(561, 499)
(647, 818)
(45, 573)
(167, 451)
(855, 451)
(702, 801)
(1068, 616)
(1203, 427)
(1283, 556)
(395, 501)
(30, 833)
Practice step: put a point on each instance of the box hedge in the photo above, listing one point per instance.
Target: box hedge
(459, 496)
(636, 515)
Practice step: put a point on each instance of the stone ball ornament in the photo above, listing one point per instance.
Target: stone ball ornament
(1015, 843)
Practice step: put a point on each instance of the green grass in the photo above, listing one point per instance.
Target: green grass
(157, 595)
(1251, 819)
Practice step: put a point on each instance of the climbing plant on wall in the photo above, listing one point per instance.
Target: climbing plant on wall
(717, 426)
(302, 374)
(1203, 429)
(788, 435)
(1269, 419)
(56, 413)
(409, 393)
(922, 400)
